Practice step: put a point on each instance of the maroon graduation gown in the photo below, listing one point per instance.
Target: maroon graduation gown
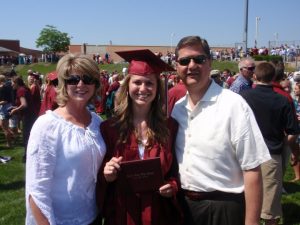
(119, 208)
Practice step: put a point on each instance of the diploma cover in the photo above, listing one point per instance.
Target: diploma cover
(141, 175)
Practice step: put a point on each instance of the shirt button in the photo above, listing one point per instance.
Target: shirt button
(192, 117)
(189, 135)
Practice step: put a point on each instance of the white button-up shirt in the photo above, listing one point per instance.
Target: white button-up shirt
(216, 141)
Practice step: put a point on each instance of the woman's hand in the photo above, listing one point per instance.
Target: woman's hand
(166, 190)
(111, 169)
(13, 111)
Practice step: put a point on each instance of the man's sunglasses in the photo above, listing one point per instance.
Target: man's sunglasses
(252, 68)
(74, 80)
(199, 59)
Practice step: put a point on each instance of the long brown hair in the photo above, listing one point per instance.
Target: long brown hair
(123, 116)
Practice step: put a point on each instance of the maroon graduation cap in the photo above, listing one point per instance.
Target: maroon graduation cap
(144, 62)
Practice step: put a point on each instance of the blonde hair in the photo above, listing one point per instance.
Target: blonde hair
(70, 63)
(123, 116)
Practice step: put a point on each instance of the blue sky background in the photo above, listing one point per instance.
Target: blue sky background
(150, 22)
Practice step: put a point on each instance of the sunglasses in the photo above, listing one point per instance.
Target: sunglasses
(252, 68)
(199, 59)
(74, 80)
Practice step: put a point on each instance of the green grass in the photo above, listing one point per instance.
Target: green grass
(291, 201)
(45, 68)
(12, 186)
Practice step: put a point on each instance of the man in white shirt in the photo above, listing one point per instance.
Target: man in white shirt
(219, 146)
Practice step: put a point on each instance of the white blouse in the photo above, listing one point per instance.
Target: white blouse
(61, 169)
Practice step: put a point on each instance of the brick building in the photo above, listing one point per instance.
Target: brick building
(111, 49)
(13, 48)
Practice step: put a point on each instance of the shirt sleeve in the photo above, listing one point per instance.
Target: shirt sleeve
(292, 126)
(21, 92)
(251, 149)
(40, 165)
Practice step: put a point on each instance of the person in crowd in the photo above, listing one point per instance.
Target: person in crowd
(44, 85)
(294, 160)
(65, 151)
(174, 94)
(5, 106)
(49, 99)
(34, 86)
(110, 95)
(291, 143)
(244, 80)
(139, 130)
(228, 76)
(286, 85)
(101, 102)
(23, 109)
(30, 78)
(216, 76)
(275, 118)
(13, 121)
(278, 78)
(294, 78)
(219, 146)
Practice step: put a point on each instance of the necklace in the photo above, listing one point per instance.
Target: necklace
(141, 136)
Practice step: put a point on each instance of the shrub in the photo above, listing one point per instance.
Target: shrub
(268, 58)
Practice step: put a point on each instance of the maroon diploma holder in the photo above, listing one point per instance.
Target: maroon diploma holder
(141, 175)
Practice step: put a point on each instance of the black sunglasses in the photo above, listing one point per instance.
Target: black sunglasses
(199, 59)
(74, 80)
(252, 68)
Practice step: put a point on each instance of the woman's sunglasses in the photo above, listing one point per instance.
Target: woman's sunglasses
(74, 80)
(199, 59)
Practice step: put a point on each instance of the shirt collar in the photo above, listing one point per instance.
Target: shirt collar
(242, 79)
(211, 95)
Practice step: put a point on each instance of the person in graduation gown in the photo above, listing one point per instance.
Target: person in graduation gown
(139, 130)
(49, 100)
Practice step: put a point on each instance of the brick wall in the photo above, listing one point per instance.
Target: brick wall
(10, 44)
(111, 49)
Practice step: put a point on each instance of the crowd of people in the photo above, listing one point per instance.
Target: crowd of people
(221, 142)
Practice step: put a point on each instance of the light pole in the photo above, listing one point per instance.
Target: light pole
(172, 35)
(246, 27)
(276, 39)
(257, 19)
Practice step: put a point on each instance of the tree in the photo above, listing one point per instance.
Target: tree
(53, 40)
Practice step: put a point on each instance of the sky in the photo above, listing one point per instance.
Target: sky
(152, 22)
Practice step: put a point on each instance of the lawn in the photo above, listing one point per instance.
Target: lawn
(12, 183)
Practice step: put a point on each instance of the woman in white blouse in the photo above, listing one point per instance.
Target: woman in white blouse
(65, 151)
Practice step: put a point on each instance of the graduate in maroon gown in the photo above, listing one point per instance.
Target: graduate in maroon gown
(100, 104)
(49, 100)
(35, 91)
(174, 94)
(139, 130)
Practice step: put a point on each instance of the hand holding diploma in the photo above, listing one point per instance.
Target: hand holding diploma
(111, 169)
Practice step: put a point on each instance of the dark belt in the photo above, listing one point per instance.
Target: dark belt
(213, 195)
